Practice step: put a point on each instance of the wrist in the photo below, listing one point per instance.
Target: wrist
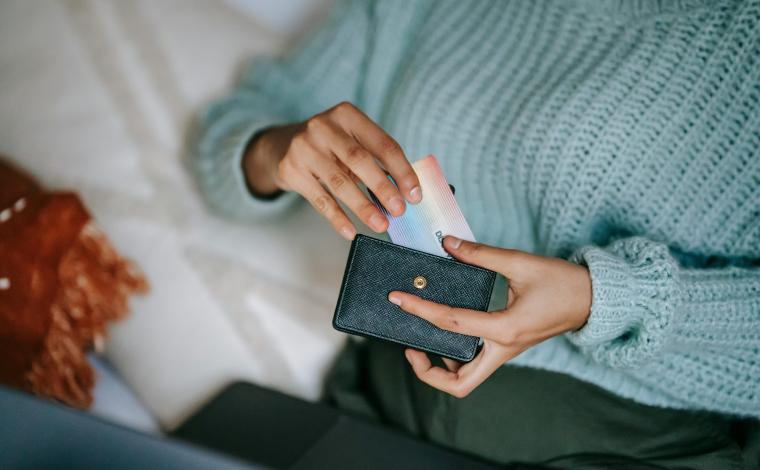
(258, 167)
(584, 296)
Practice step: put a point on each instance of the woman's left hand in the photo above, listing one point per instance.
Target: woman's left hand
(547, 297)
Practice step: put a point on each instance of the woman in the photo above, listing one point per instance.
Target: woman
(611, 146)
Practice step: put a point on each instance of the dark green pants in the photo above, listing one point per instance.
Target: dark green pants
(522, 415)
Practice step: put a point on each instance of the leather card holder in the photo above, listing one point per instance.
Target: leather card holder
(376, 267)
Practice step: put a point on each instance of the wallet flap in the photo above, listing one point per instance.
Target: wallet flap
(376, 267)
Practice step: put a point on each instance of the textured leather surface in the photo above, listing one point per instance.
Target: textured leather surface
(376, 267)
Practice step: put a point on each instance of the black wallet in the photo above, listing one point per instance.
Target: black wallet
(376, 267)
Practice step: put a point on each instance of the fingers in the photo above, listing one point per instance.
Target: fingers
(461, 382)
(300, 173)
(381, 145)
(345, 189)
(501, 260)
(451, 364)
(510, 328)
(325, 205)
(340, 148)
(458, 320)
(360, 162)
(426, 371)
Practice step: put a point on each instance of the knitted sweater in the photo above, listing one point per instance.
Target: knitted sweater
(622, 135)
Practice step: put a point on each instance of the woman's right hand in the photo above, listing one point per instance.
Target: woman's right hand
(325, 158)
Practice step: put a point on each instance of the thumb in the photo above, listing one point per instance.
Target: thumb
(496, 259)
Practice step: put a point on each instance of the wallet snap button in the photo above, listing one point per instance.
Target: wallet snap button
(420, 282)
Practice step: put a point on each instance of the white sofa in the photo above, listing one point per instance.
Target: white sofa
(96, 96)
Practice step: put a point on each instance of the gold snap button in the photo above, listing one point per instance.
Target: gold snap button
(420, 282)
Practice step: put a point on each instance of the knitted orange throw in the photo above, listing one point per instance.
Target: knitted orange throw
(60, 282)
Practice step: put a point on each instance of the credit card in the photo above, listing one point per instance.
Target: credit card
(424, 225)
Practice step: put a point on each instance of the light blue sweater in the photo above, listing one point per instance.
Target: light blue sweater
(622, 135)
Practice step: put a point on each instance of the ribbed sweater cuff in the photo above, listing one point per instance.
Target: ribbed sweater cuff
(226, 177)
(633, 301)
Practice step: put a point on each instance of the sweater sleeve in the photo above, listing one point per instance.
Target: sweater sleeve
(649, 312)
(324, 70)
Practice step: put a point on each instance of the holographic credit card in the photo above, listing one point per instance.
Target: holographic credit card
(424, 225)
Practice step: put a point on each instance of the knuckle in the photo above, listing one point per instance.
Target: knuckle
(390, 148)
(355, 154)
(316, 124)
(343, 107)
(472, 249)
(323, 204)
(386, 188)
(298, 144)
(460, 391)
(337, 181)
(449, 320)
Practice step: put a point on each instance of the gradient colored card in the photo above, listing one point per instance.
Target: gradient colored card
(424, 225)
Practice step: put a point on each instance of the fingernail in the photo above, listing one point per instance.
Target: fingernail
(348, 233)
(408, 355)
(454, 242)
(394, 299)
(396, 204)
(377, 222)
(415, 195)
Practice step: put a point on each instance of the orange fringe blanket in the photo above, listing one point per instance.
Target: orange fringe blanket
(61, 281)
